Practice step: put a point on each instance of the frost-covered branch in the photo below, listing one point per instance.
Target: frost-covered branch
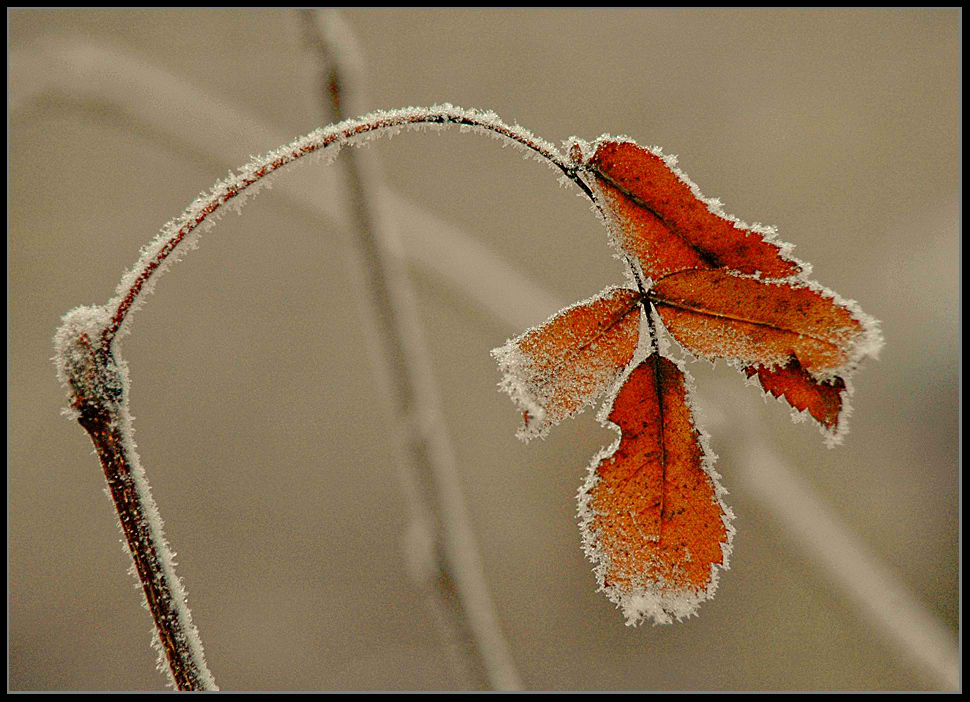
(230, 194)
(89, 366)
(97, 383)
(96, 377)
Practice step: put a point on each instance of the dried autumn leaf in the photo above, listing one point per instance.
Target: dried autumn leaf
(554, 370)
(651, 511)
(717, 314)
(660, 219)
(801, 342)
(652, 518)
(823, 400)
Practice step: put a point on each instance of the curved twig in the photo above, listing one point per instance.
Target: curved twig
(88, 362)
(232, 191)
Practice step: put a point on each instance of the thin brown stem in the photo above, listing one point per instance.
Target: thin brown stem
(102, 425)
(98, 398)
(88, 361)
(330, 139)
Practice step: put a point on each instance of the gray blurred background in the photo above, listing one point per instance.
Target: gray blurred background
(261, 422)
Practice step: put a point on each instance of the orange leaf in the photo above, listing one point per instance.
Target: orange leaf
(553, 371)
(717, 314)
(798, 338)
(651, 513)
(821, 399)
(660, 219)
(652, 517)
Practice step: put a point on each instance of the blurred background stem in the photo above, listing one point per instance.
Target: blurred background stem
(441, 549)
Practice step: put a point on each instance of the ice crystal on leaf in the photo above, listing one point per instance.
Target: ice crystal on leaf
(651, 512)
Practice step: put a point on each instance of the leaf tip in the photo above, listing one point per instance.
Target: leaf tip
(660, 607)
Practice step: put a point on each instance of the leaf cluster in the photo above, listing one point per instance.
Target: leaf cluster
(651, 511)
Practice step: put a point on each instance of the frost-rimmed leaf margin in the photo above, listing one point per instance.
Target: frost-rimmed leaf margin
(519, 372)
(580, 153)
(88, 363)
(651, 601)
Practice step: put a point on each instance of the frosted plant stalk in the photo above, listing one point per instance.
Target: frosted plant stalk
(89, 365)
(97, 382)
